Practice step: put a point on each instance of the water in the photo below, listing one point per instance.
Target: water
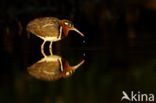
(102, 78)
(118, 56)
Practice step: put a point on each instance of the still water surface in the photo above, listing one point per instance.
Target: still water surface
(111, 66)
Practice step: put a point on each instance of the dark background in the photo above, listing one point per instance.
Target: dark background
(119, 48)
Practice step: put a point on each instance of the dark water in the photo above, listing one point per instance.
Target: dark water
(119, 49)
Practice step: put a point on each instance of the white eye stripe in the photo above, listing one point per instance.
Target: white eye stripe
(66, 23)
(69, 73)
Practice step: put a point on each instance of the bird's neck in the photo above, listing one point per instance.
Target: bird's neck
(65, 31)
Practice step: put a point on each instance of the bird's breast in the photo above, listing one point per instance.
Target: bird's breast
(49, 38)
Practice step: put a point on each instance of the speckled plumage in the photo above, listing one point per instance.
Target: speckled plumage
(44, 27)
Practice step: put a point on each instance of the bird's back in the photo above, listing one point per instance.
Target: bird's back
(44, 27)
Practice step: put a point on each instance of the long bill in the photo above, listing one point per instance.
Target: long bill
(78, 65)
(78, 31)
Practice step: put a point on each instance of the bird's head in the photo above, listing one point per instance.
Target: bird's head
(67, 26)
(68, 70)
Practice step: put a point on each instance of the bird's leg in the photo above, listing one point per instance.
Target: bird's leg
(60, 60)
(50, 48)
(60, 34)
(42, 49)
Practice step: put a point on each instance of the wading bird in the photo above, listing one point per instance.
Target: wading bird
(50, 29)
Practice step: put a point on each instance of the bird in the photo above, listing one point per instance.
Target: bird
(51, 29)
(52, 68)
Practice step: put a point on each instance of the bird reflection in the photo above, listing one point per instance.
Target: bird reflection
(52, 67)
